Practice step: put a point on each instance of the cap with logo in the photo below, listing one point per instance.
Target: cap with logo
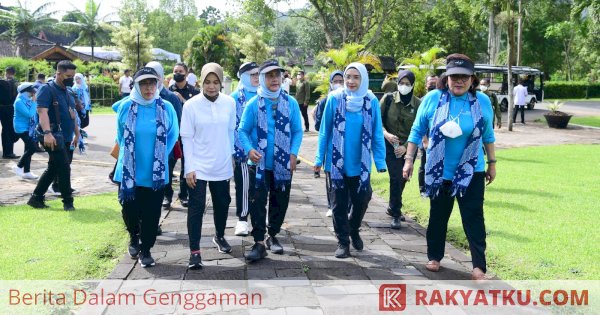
(145, 73)
(269, 66)
(459, 66)
(247, 66)
(26, 87)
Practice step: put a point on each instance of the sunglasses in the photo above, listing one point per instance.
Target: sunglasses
(460, 77)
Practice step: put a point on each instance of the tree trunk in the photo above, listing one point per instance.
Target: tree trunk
(509, 48)
(519, 31)
(491, 37)
(326, 30)
(92, 42)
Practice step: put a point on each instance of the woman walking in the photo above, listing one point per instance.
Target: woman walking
(207, 131)
(147, 130)
(351, 132)
(459, 123)
(24, 122)
(246, 90)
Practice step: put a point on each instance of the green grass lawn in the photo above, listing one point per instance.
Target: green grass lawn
(102, 110)
(52, 244)
(592, 99)
(541, 213)
(593, 121)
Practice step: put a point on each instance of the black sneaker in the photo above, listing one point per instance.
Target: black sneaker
(222, 245)
(357, 242)
(166, 204)
(11, 156)
(195, 261)
(389, 212)
(37, 202)
(257, 252)
(68, 206)
(146, 259)
(274, 245)
(317, 174)
(158, 231)
(343, 251)
(134, 247)
(184, 202)
(395, 225)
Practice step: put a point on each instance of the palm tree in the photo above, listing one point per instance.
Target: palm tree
(423, 65)
(23, 23)
(90, 25)
(338, 59)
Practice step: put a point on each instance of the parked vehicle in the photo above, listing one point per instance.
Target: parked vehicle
(498, 76)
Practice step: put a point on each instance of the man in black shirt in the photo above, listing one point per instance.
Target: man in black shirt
(61, 134)
(184, 92)
(9, 94)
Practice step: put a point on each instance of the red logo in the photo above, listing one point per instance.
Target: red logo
(392, 297)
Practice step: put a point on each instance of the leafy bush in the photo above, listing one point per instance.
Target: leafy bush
(21, 66)
(104, 94)
(571, 89)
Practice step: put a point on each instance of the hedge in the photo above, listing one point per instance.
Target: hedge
(104, 94)
(571, 89)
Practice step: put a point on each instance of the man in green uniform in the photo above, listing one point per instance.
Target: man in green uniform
(484, 86)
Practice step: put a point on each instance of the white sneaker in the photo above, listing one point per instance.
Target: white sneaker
(51, 192)
(18, 171)
(241, 228)
(329, 213)
(29, 175)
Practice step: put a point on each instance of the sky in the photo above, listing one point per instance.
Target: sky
(109, 6)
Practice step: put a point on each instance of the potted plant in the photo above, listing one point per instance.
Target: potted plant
(556, 118)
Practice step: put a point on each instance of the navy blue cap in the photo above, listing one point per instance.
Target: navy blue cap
(459, 66)
(145, 73)
(269, 66)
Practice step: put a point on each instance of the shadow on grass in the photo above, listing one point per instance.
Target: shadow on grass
(505, 205)
(508, 236)
(520, 191)
(531, 161)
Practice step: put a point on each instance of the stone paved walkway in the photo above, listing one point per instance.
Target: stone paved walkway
(309, 243)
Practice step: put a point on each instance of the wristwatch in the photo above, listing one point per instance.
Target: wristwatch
(47, 132)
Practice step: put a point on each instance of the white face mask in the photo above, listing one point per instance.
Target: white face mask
(483, 88)
(451, 129)
(404, 89)
(336, 86)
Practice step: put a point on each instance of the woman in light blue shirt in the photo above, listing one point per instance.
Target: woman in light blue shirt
(25, 121)
(459, 123)
(350, 133)
(270, 132)
(147, 130)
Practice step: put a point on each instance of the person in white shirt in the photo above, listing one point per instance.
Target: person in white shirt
(285, 85)
(520, 94)
(207, 131)
(125, 84)
(191, 78)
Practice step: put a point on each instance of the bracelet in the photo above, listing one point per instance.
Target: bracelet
(491, 162)
(47, 132)
(408, 157)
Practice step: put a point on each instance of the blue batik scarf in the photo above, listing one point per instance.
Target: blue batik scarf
(339, 131)
(281, 153)
(127, 187)
(239, 155)
(434, 167)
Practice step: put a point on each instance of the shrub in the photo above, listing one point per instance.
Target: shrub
(571, 89)
(21, 66)
(104, 94)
